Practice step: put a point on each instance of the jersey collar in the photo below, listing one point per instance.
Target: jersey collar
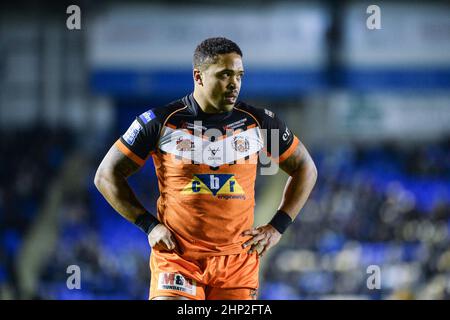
(193, 106)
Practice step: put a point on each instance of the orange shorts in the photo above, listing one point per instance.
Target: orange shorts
(229, 277)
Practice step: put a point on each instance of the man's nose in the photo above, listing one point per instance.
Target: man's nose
(233, 82)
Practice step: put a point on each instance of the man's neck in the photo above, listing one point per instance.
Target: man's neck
(204, 105)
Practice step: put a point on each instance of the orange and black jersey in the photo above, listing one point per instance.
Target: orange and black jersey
(206, 168)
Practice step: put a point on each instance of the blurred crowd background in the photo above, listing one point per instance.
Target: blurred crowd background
(372, 106)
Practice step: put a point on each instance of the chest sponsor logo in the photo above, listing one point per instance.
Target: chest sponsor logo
(185, 144)
(193, 126)
(213, 152)
(219, 185)
(236, 124)
(241, 144)
(176, 281)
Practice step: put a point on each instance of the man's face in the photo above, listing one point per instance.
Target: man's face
(222, 81)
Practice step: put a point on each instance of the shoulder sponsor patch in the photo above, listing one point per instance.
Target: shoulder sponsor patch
(176, 281)
(269, 113)
(286, 134)
(147, 116)
(132, 132)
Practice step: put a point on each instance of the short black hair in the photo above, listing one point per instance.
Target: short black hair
(207, 51)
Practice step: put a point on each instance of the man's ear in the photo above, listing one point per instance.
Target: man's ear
(197, 77)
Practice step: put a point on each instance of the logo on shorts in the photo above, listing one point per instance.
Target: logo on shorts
(176, 281)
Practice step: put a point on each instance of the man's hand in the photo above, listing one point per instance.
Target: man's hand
(161, 238)
(264, 237)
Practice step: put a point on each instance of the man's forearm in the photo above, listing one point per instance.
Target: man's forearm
(302, 177)
(297, 190)
(119, 195)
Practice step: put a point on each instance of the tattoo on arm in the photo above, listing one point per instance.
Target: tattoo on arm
(111, 181)
(303, 175)
(296, 160)
(121, 163)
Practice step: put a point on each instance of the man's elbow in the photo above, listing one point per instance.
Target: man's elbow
(100, 176)
(308, 172)
(313, 172)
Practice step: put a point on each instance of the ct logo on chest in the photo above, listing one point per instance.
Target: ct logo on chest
(185, 144)
(214, 184)
(241, 144)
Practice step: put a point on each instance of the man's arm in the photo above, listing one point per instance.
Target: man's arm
(111, 180)
(302, 178)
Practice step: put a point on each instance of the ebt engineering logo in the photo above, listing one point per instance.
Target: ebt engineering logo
(223, 186)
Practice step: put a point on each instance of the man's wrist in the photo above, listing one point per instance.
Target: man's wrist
(281, 221)
(146, 222)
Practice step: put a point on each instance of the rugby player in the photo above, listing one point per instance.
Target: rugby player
(205, 148)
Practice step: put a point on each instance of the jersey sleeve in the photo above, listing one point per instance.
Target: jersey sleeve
(141, 138)
(279, 141)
